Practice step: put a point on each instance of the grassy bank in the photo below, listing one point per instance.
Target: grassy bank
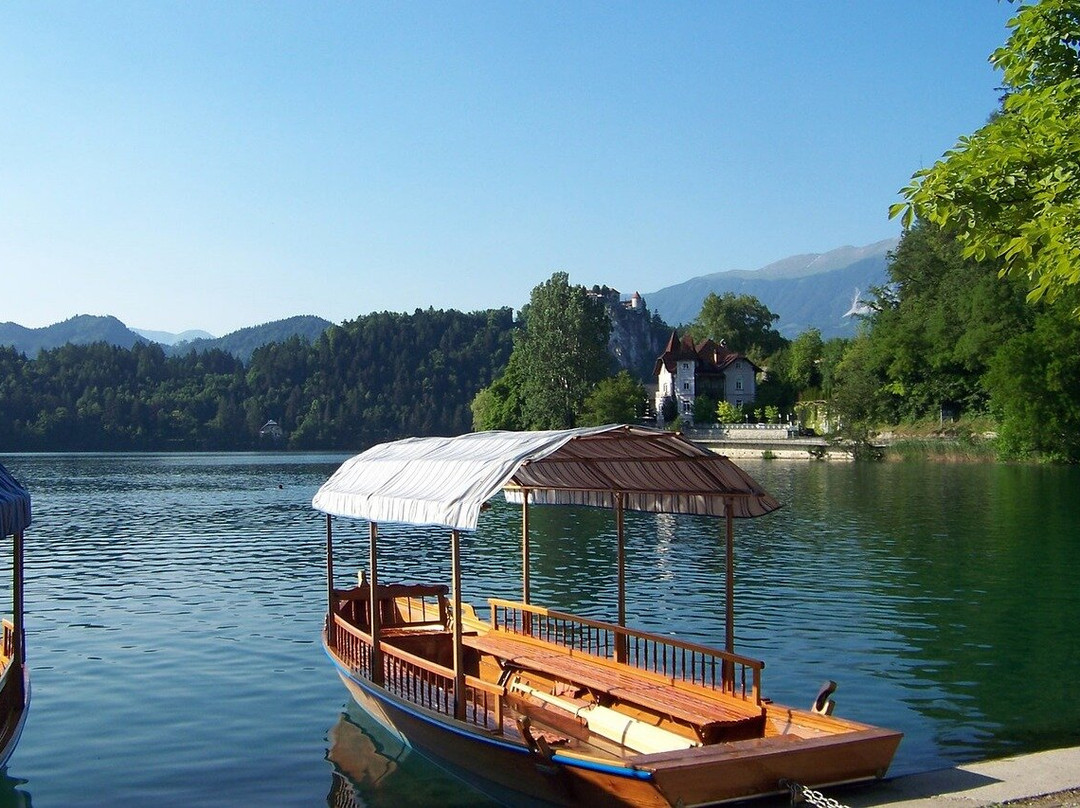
(970, 440)
(943, 449)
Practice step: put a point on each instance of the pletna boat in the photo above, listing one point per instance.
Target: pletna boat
(14, 677)
(538, 706)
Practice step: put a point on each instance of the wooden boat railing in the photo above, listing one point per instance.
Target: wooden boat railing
(676, 660)
(400, 604)
(8, 649)
(418, 680)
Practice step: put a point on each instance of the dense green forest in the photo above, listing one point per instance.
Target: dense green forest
(946, 339)
(378, 377)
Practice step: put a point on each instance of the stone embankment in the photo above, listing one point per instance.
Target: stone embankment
(779, 441)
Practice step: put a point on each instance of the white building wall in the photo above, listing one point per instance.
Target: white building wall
(680, 385)
(739, 385)
(684, 392)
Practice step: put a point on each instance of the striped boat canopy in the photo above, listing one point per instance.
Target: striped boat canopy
(446, 481)
(14, 505)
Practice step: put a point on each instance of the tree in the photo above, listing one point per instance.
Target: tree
(728, 413)
(562, 352)
(804, 357)
(669, 409)
(1034, 385)
(743, 322)
(856, 402)
(617, 399)
(704, 409)
(831, 354)
(500, 404)
(1012, 189)
(936, 325)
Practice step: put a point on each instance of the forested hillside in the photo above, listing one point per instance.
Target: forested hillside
(377, 377)
(242, 343)
(82, 329)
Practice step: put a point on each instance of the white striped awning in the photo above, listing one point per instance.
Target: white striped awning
(446, 481)
(14, 505)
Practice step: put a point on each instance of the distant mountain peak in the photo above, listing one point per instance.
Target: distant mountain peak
(809, 290)
(169, 338)
(82, 329)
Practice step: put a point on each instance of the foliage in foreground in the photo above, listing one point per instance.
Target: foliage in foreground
(1009, 191)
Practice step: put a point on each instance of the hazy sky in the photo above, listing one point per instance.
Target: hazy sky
(221, 164)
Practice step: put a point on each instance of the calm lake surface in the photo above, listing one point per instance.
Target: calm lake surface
(174, 604)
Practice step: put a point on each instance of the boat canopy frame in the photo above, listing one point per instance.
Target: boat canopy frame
(448, 481)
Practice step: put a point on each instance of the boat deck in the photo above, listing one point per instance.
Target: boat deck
(711, 714)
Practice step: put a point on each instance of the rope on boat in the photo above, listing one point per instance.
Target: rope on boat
(815, 798)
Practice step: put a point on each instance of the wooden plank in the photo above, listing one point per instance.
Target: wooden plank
(700, 707)
(388, 591)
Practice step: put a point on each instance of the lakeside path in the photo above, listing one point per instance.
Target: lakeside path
(1039, 780)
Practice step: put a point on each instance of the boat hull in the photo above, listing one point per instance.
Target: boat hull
(760, 767)
(502, 770)
(16, 701)
(509, 771)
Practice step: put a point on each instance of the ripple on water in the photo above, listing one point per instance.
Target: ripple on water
(174, 604)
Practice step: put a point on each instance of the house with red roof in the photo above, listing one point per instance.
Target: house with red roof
(686, 370)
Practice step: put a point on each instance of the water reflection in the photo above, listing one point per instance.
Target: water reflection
(364, 758)
(372, 767)
(13, 793)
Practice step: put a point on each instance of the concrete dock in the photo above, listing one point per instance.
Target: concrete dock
(974, 785)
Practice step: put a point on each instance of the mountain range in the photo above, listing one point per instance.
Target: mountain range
(815, 290)
(84, 329)
(168, 338)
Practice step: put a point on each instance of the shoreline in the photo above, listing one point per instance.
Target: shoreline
(787, 449)
(1043, 779)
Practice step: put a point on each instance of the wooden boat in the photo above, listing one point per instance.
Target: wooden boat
(535, 705)
(14, 677)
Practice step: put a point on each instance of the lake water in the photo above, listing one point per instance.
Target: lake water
(174, 604)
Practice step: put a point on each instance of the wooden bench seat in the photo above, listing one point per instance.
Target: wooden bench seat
(707, 710)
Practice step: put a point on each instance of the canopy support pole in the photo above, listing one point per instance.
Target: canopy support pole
(729, 508)
(331, 634)
(459, 651)
(525, 546)
(620, 645)
(728, 669)
(373, 604)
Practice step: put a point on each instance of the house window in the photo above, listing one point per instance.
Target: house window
(686, 366)
(686, 385)
(738, 384)
(687, 408)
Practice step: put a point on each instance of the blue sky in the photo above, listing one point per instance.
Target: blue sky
(215, 165)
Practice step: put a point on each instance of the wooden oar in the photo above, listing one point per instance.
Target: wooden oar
(613, 725)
